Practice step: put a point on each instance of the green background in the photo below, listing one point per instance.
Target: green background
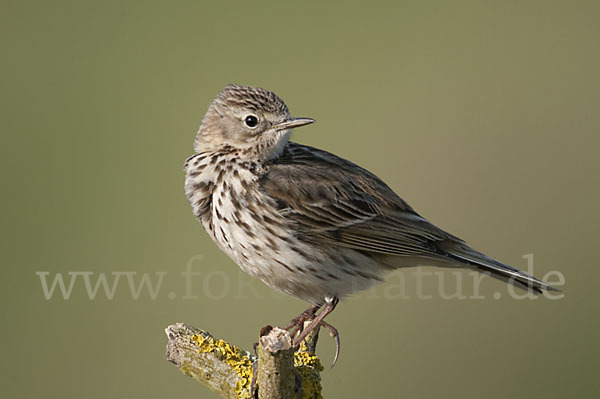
(483, 115)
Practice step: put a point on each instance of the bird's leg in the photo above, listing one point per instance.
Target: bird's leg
(297, 323)
(330, 305)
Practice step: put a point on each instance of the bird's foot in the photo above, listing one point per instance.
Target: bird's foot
(316, 321)
(333, 332)
(296, 325)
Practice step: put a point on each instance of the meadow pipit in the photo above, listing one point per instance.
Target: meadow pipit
(304, 221)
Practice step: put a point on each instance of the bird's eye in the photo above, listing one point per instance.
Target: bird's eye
(251, 121)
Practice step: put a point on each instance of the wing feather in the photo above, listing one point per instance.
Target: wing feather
(335, 200)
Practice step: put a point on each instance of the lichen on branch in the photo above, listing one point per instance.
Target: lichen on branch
(228, 370)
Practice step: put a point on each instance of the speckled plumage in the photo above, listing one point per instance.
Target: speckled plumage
(303, 220)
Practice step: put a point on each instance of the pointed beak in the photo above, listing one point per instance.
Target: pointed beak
(292, 123)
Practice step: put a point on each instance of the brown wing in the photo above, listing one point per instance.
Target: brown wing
(329, 198)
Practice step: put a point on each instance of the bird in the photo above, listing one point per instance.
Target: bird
(304, 221)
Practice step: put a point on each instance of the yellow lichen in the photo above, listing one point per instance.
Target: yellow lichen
(308, 367)
(237, 359)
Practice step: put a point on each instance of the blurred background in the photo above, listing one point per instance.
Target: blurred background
(482, 115)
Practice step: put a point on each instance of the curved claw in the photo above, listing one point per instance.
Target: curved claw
(333, 332)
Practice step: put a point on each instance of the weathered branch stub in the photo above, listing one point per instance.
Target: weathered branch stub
(228, 370)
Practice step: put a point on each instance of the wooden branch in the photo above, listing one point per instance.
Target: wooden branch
(276, 374)
(225, 369)
(228, 370)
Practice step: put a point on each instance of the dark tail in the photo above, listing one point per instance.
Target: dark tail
(466, 254)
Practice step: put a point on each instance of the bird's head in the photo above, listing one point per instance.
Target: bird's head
(251, 119)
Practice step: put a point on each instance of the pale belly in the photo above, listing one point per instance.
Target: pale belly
(243, 223)
(272, 253)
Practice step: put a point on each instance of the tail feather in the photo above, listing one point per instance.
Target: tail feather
(498, 270)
